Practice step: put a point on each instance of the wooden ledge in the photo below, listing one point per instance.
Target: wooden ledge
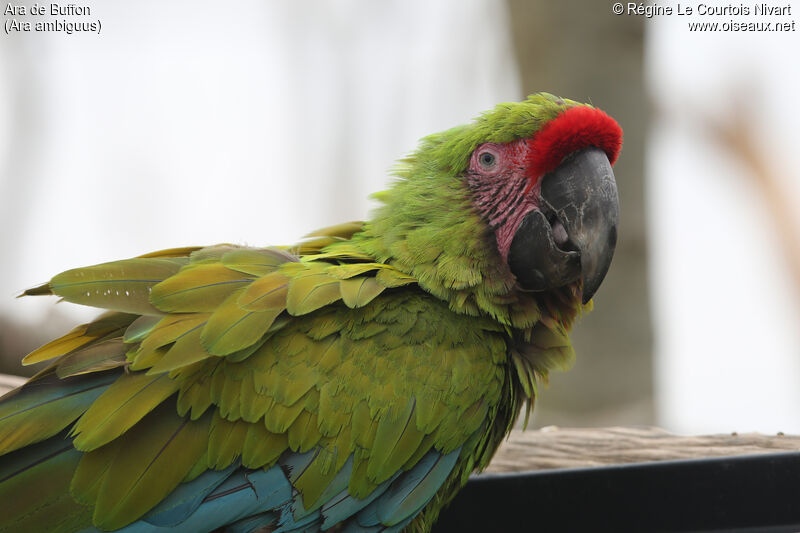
(554, 447)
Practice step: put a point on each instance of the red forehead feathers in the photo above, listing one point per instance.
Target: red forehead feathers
(575, 128)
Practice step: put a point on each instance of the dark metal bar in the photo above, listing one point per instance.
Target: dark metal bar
(734, 494)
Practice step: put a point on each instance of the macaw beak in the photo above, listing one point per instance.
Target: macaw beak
(573, 233)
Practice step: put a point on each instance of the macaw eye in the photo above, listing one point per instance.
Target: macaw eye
(487, 160)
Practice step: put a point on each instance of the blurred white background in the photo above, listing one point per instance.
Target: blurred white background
(188, 123)
(723, 170)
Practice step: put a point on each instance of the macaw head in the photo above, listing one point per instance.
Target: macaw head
(534, 177)
(551, 199)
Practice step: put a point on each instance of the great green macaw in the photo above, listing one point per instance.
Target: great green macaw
(349, 383)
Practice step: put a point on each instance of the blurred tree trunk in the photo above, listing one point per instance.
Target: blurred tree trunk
(580, 50)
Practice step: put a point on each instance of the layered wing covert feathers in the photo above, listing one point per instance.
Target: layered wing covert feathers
(253, 387)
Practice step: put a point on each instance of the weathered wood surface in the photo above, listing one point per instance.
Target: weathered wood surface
(554, 447)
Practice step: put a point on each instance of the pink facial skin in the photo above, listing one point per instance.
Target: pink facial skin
(498, 177)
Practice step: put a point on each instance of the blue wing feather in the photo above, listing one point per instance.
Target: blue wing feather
(249, 499)
(186, 498)
(414, 489)
(405, 496)
(243, 494)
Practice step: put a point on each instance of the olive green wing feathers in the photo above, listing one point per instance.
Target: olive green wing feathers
(333, 369)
